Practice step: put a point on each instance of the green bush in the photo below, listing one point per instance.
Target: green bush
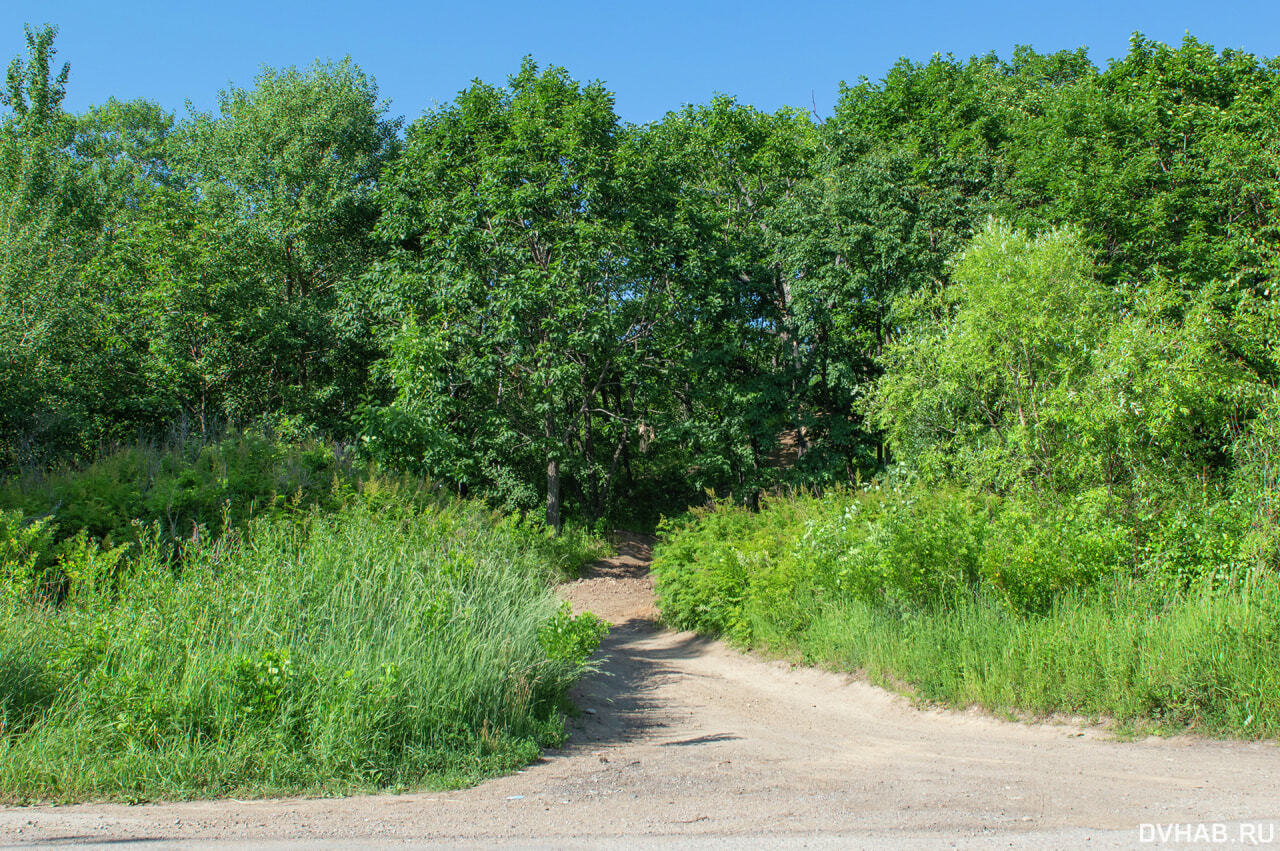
(572, 639)
(372, 647)
(716, 561)
(1020, 603)
(1037, 551)
(35, 564)
(185, 489)
(903, 547)
(25, 552)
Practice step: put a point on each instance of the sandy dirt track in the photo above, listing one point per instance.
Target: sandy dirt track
(686, 743)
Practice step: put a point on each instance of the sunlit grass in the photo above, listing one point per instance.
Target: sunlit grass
(371, 648)
(969, 600)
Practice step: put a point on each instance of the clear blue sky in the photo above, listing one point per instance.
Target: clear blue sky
(654, 55)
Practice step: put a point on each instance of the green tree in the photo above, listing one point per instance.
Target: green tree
(1028, 369)
(43, 238)
(736, 350)
(1166, 160)
(527, 306)
(284, 175)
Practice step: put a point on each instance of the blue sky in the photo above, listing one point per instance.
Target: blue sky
(655, 55)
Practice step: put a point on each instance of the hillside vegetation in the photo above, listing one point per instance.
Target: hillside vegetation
(367, 634)
(972, 384)
(1081, 522)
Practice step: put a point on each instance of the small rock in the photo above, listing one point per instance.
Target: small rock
(589, 711)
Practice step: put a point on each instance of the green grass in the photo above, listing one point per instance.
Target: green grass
(1203, 661)
(966, 599)
(378, 646)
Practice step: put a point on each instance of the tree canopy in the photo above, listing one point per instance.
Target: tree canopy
(1025, 272)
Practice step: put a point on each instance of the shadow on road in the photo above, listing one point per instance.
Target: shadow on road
(635, 659)
(618, 699)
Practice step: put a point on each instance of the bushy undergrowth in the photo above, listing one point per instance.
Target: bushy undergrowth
(374, 646)
(183, 487)
(255, 617)
(1164, 619)
(61, 526)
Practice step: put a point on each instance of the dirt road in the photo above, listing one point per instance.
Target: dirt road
(685, 743)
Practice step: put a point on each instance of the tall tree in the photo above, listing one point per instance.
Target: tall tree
(43, 240)
(284, 174)
(736, 344)
(528, 304)
(1167, 159)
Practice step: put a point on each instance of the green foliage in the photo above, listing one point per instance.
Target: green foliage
(1013, 603)
(44, 236)
(1256, 487)
(909, 548)
(185, 489)
(78, 529)
(373, 647)
(36, 566)
(1037, 294)
(1028, 369)
(284, 174)
(531, 300)
(1039, 552)
(738, 375)
(154, 272)
(523, 294)
(1162, 159)
(1203, 661)
(712, 563)
(571, 638)
(25, 551)
(906, 549)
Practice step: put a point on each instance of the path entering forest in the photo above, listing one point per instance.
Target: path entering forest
(686, 743)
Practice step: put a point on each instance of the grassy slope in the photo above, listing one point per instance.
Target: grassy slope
(382, 643)
(804, 579)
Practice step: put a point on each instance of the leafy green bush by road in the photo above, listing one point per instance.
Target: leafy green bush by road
(1009, 602)
(372, 647)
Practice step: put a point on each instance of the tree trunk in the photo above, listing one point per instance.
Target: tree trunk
(593, 483)
(553, 494)
(553, 467)
(553, 480)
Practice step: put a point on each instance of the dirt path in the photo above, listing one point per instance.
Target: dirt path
(686, 743)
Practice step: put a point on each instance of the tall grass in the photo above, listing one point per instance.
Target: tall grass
(1202, 660)
(1007, 603)
(378, 646)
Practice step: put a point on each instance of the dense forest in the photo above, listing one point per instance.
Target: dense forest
(990, 350)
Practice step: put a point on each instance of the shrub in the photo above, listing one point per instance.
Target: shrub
(1019, 603)
(904, 547)
(34, 564)
(717, 560)
(1037, 551)
(185, 489)
(372, 647)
